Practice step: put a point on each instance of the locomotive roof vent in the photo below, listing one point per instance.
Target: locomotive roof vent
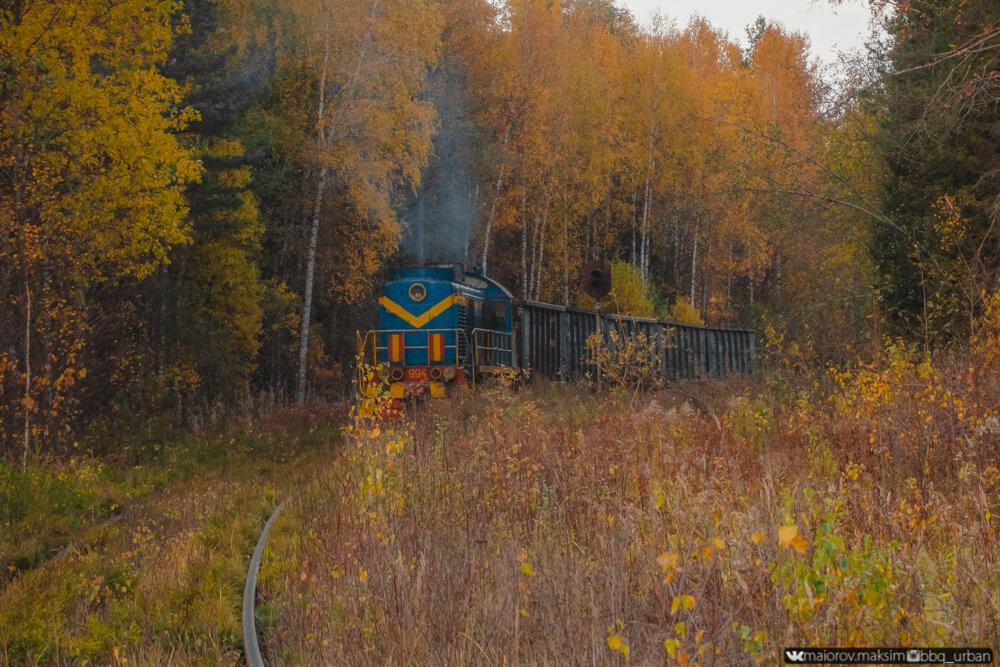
(456, 269)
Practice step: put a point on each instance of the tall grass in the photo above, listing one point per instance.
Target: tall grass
(709, 523)
(140, 558)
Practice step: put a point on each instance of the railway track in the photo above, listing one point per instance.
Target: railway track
(251, 648)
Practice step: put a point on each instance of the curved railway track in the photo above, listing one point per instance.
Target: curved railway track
(251, 647)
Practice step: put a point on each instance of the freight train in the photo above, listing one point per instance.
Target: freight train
(442, 328)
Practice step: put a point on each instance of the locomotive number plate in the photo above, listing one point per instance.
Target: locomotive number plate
(417, 375)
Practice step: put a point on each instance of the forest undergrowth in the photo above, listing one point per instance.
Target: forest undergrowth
(708, 523)
(138, 557)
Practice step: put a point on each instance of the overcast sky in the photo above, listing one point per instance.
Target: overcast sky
(829, 29)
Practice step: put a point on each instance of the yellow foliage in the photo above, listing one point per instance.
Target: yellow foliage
(681, 603)
(668, 560)
(235, 178)
(986, 340)
(628, 293)
(96, 144)
(615, 643)
(92, 192)
(681, 312)
(788, 537)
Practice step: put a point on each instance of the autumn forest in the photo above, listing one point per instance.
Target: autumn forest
(199, 201)
(179, 179)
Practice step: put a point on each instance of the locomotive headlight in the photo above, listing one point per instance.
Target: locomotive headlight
(418, 292)
(435, 373)
(449, 374)
(396, 374)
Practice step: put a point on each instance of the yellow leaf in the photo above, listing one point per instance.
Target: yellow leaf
(718, 543)
(786, 534)
(363, 575)
(671, 645)
(667, 560)
(615, 643)
(758, 537)
(682, 602)
(527, 570)
(800, 544)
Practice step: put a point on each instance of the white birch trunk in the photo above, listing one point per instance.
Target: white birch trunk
(677, 251)
(524, 246)
(532, 248)
(325, 139)
(694, 261)
(541, 253)
(566, 257)
(644, 241)
(644, 236)
(496, 198)
(635, 224)
(300, 396)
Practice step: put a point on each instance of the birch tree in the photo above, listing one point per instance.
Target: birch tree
(373, 131)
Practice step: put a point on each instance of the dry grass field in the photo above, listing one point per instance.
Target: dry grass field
(708, 523)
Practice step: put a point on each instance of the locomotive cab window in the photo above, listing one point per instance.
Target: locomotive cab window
(498, 316)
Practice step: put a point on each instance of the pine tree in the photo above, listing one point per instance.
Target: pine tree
(937, 250)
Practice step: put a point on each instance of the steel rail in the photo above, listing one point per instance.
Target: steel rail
(250, 646)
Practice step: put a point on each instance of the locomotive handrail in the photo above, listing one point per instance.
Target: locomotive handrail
(373, 334)
(480, 341)
(363, 341)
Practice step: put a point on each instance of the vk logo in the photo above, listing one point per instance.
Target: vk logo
(795, 656)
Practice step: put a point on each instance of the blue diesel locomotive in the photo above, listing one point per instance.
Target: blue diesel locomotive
(442, 328)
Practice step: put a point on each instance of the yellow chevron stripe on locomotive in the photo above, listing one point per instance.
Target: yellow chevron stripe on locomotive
(418, 321)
